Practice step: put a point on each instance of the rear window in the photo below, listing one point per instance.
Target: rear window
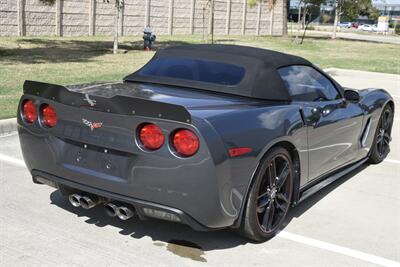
(195, 70)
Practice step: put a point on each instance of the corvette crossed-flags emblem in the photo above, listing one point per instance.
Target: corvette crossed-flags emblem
(92, 125)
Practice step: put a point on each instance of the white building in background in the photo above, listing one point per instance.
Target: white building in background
(389, 8)
(328, 6)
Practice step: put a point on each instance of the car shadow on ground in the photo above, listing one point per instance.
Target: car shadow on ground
(169, 232)
(308, 203)
(38, 50)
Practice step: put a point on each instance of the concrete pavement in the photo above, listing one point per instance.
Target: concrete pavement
(8, 126)
(359, 36)
(358, 79)
(360, 213)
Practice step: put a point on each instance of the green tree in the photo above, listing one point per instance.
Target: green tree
(351, 9)
(305, 7)
(118, 5)
(48, 2)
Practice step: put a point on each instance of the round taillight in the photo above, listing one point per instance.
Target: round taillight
(49, 116)
(185, 142)
(151, 136)
(29, 111)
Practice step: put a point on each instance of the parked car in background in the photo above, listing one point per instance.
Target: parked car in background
(355, 25)
(364, 27)
(345, 25)
(368, 28)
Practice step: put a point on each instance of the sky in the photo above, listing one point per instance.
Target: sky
(389, 2)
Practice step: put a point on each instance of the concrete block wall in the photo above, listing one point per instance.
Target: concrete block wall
(201, 17)
(158, 16)
(8, 18)
(133, 17)
(96, 17)
(75, 17)
(236, 18)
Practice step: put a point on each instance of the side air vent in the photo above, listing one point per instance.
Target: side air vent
(365, 134)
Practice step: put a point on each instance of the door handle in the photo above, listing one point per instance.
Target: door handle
(326, 112)
(315, 116)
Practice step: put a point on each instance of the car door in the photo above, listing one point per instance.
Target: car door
(333, 124)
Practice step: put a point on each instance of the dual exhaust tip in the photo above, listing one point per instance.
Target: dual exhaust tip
(122, 212)
(86, 202)
(112, 209)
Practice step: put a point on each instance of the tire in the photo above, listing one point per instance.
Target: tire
(269, 199)
(380, 147)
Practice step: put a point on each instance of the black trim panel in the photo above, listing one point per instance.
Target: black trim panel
(319, 183)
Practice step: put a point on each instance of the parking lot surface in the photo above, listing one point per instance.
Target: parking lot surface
(353, 222)
(359, 36)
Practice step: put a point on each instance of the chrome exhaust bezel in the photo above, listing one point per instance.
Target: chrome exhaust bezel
(75, 200)
(87, 202)
(124, 213)
(111, 209)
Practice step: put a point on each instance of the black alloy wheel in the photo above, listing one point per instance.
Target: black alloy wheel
(384, 133)
(270, 196)
(380, 148)
(274, 194)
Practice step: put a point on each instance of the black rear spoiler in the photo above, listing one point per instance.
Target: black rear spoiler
(118, 104)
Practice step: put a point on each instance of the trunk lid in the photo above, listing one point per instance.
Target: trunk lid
(191, 99)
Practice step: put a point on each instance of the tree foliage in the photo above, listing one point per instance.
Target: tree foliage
(397, 29)
(48, 2)
(252, 3)
(351, 9)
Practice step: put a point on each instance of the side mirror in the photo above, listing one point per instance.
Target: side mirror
(352, 95)
(315, 115)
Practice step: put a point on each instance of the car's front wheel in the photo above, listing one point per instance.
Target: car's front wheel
(380, 147)
(269, 197)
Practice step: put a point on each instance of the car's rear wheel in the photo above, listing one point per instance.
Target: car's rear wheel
(380, 147)
(269, 197)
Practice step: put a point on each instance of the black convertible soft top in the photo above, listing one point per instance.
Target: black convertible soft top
(261, 78)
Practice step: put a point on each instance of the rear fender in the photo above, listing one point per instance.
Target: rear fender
(260, 129)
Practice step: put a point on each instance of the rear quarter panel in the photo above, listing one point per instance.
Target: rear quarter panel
(260, 128)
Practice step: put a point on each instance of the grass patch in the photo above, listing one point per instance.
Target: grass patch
(73, 60)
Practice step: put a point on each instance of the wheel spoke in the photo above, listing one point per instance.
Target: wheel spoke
(269, 216)
(280, 206)
(384, 118)
(282, 197)
(381, 148)
(262, 204)
(263, 195)
(389, 122)
(283, 175)
(272, 172)
(379, 139)
(386, 138)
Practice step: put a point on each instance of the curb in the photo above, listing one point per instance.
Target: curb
(348, 72)
(8, 126)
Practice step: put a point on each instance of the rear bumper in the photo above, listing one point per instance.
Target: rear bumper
(139, 205)
(195, 189)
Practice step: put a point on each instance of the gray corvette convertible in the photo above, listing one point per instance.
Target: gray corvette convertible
(212, 136)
